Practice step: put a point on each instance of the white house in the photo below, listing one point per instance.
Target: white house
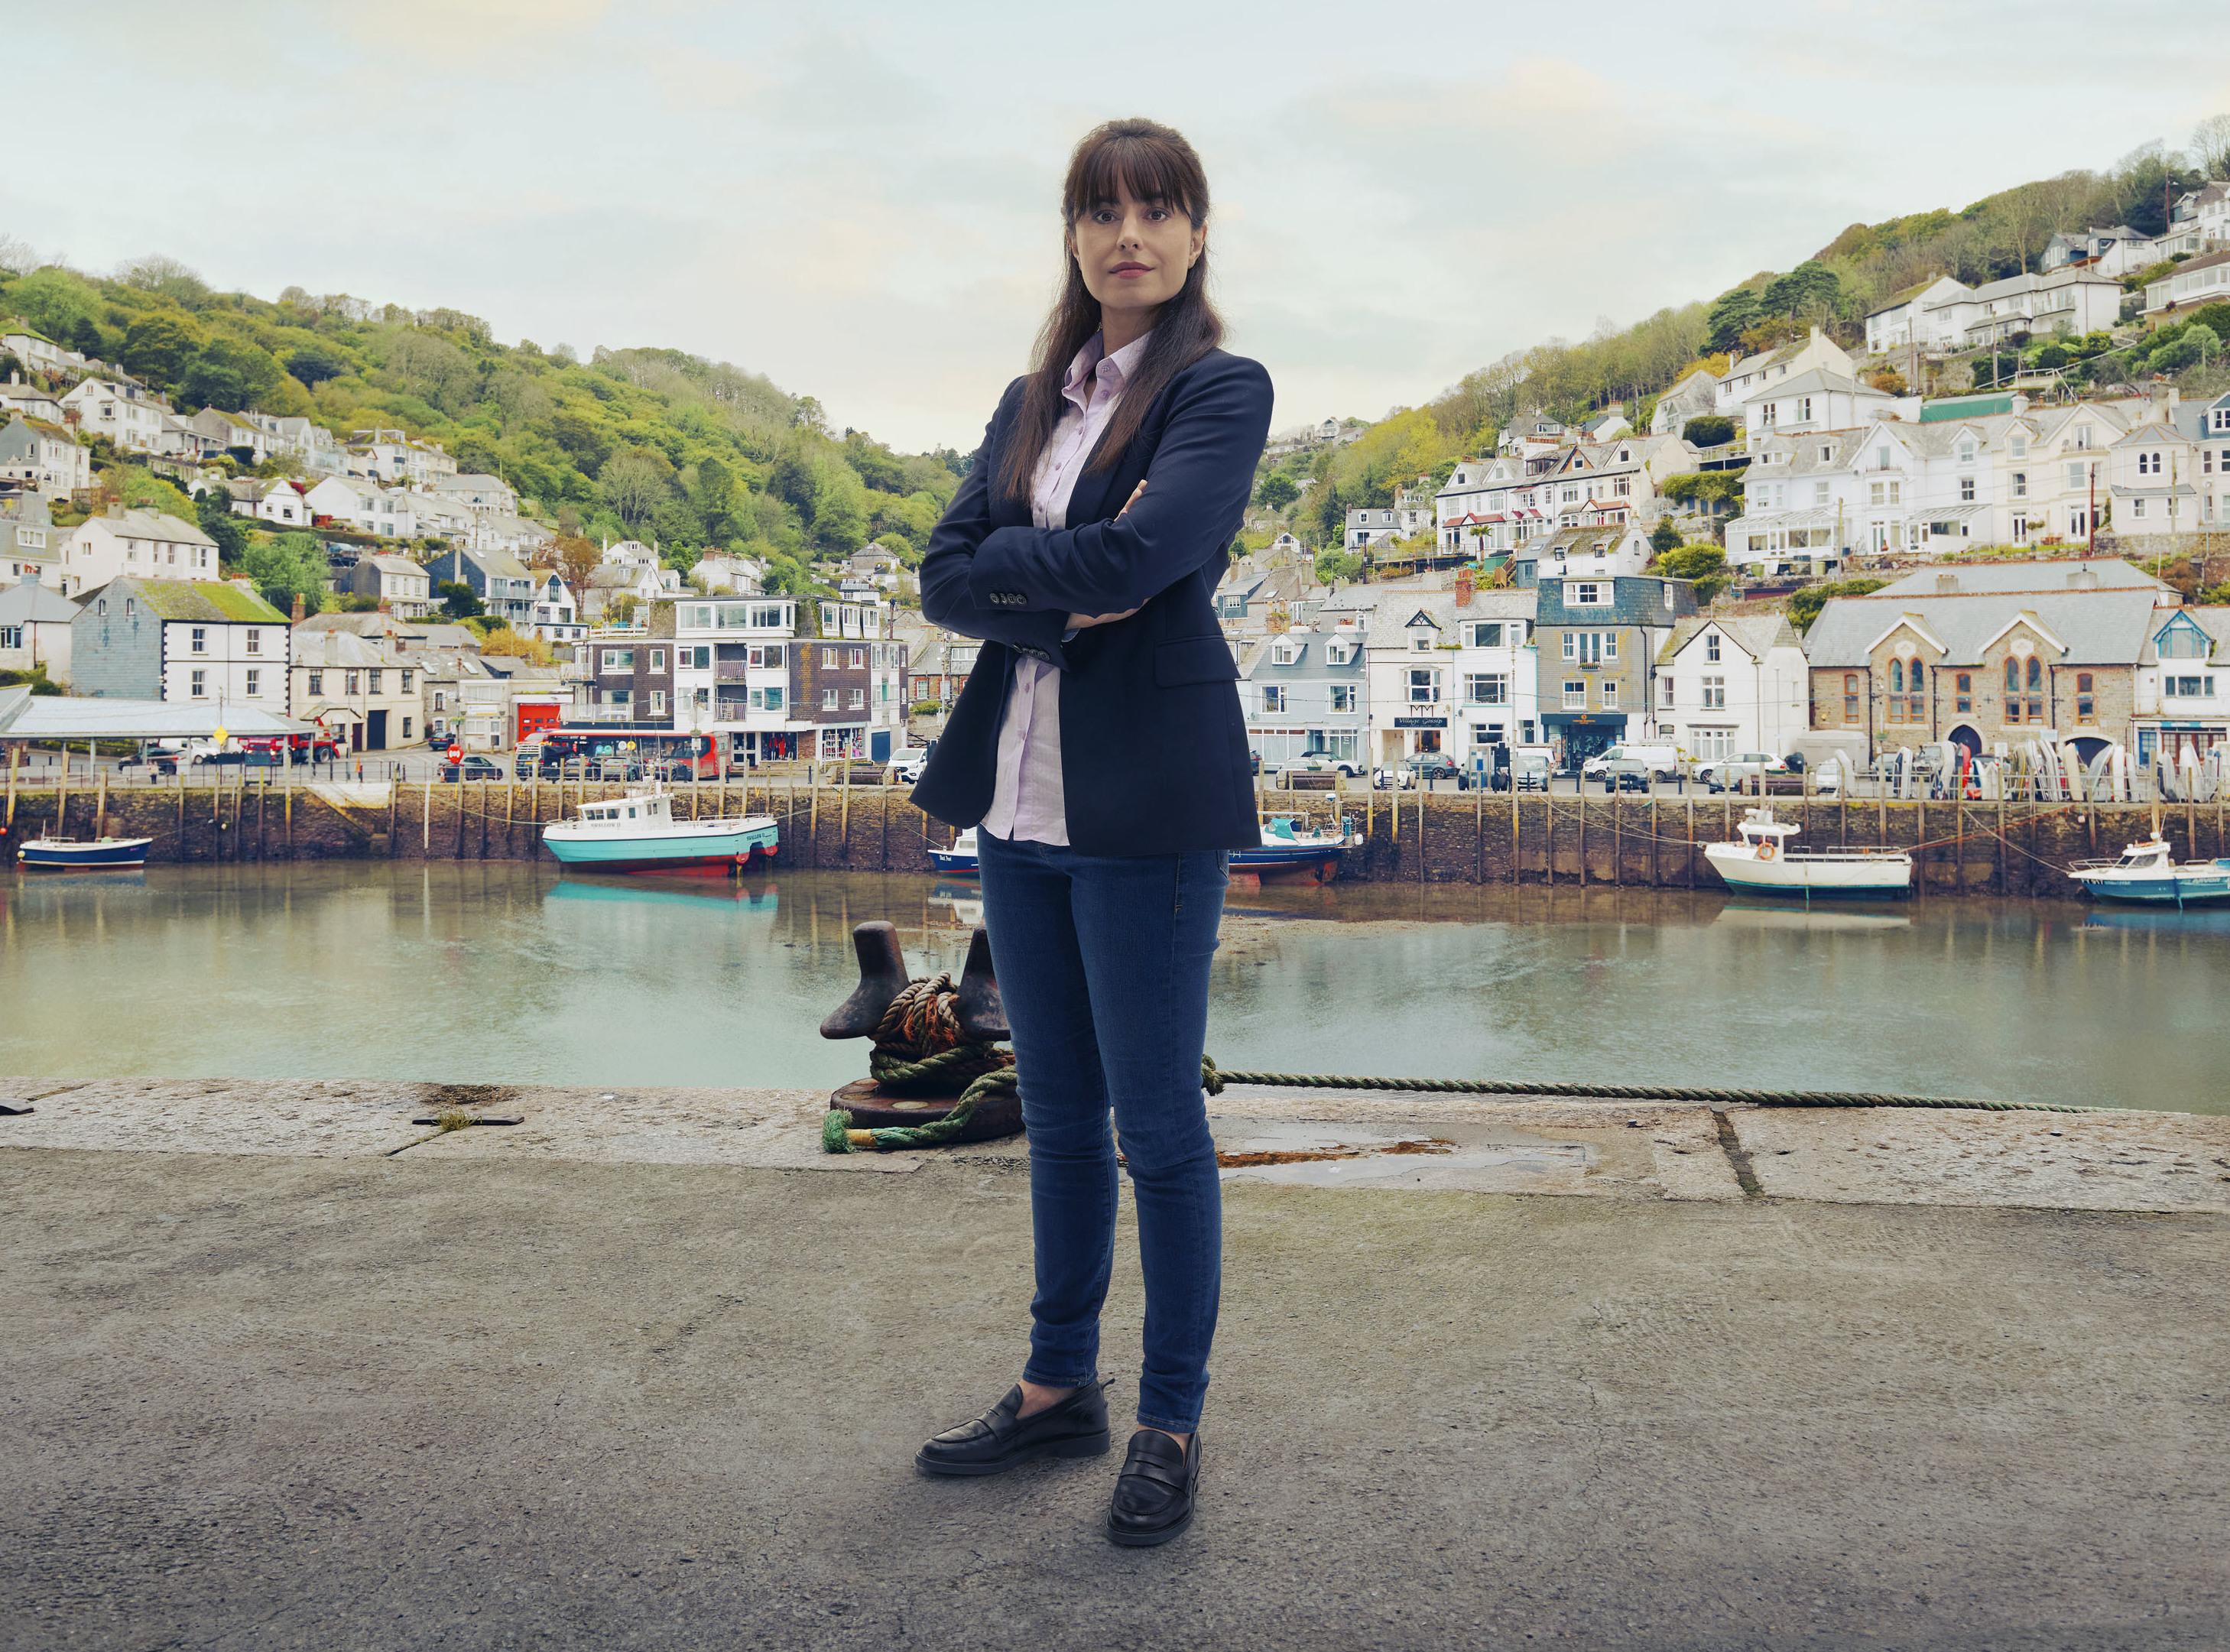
(1769, 369)
(200, 642)
(556, 614)
(2117, 251)
(486, 495)
(1451, 675)
(127, 414)
(2204, 280)
(403, 585)
(2073, 298)
(2152, 475)
(35, 628)
(364, 506)
(1906, 320)
(44, 456)
(30, 543)
(1732, 685)
(1693, 396)
(1369, 527)
(140, 545)
(279, 503)
(2206, 211)
(1820, 400)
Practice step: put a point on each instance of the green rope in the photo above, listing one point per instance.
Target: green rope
(836, 1131)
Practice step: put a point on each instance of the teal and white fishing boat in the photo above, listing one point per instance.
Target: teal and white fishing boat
(638, 833)
(2147, 873)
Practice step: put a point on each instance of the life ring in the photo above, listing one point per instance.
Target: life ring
(1767, 848)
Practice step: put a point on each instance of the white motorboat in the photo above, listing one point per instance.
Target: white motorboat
(2148, 872)
(638, 833)
(1760, 861)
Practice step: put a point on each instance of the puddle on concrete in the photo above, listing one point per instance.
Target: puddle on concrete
(1343, 1156)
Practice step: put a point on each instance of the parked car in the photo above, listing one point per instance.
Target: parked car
(1323, 763)
(1624, 774)
(1828, 778)
(909, 763)
(1740, 769)
(1662, 759)
(1530, 771)
(473, 766)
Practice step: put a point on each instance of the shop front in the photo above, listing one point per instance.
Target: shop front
(1578, 736)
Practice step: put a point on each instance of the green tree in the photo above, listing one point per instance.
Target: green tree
(213, 511)
(1809, 292)
(1804, 605)
(288, 565)
(1731, 315)
(840, 510)
(1665, 537)
(313, 364)
(1708, 430)
(1337, 564)
(1277, 490)
(229, 375)
(54, 301)
(457, 599)
(157, 346)
(1704, 565)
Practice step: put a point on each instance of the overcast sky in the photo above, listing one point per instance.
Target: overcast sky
(860, 200)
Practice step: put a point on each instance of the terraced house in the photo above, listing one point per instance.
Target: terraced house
(202, 643)
(1599, 627)
(1305, 694)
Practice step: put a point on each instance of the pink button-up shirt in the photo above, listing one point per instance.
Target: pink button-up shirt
(1027, 801)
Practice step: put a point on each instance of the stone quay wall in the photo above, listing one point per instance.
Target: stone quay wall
(2012, 848)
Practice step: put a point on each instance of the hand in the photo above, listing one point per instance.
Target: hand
(1137, 493)
(1081, 621)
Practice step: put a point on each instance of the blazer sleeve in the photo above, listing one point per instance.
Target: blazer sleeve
(1198, 482)
(946, 599)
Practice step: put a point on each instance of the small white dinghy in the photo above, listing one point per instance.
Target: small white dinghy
(1760, 861)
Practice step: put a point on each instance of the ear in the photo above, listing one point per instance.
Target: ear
(1199, 245)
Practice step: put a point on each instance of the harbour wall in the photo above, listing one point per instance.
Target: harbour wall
(1986, 848)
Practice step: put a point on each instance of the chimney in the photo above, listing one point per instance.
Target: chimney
(1947, 585)
(299, 615)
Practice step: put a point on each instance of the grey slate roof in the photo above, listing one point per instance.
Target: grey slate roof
(33, 603)
(1999, 578)
(2105, 628)
(1754, 634)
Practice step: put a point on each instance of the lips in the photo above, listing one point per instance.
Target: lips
(1131, 269)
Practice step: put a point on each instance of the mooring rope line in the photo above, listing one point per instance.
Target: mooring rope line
(838, 1135)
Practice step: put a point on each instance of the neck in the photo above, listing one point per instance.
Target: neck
(1118, 328)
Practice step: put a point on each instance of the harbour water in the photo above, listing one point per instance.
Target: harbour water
(504, 972)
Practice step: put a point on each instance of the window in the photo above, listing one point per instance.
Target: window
(1486, 636)
(658, 658)
(1576, 694)
(2136, 507)
(1963, 691)
(1665, 696)
(1609, 695)
(2020, 484)
(1343, 697)
(406, 681)
(1339, 653)
(657, 702)
(373, 685)
(1878, 494)
(1274, 697)
(406, 730)
(1715, 693)
(1486, 688)
(1424, 687)
(1851, 697)
(255, 682)
(858, 698)
(829, 700)
(616, 659)
(1711, 646)
(1966, 453)
(349, 683)
(827, 659)
(254, 639)
(1967, 489)
(2149, 464)
(1284, 653)
(1583, 593)
(200, 684)
(858, 659)
(1818, 493)
(2086, 698)
(2189, 688)
(2016, 446)
(2181, 643)
(316, 682)
(1420, 641)
(200, 634)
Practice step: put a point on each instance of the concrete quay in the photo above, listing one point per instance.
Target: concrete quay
(282, 1368)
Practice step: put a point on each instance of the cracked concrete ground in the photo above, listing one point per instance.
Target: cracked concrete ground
(631, 1374)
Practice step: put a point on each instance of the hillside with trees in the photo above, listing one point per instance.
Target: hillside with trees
(648, 444)
(1862, 269)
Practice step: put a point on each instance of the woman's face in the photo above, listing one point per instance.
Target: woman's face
(1134, 253)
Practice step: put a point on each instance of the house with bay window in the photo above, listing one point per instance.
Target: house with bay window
(1305, 693)
(2183, 685)
(1600, 623)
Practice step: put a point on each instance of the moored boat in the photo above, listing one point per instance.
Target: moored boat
(638, 833)
(1760, 861)
(1289, 845)
(80, 854)
(2146, 873)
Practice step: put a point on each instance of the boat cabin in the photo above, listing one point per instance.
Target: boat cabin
(643, 809)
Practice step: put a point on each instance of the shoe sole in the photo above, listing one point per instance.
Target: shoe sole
(1150, 1539)
(1083, 1445)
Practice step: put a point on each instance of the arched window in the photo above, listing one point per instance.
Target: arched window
(2012, 677)
(2035, 675)
(1896, 676)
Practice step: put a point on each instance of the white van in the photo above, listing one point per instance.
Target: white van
(1664, 759)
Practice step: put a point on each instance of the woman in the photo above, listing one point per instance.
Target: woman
(1099, 752)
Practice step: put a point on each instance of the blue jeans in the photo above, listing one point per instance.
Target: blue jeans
(1103, 963)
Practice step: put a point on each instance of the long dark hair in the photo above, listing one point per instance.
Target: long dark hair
(1157, 163)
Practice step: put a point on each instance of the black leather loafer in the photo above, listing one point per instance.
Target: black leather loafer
(1154, 1494)
(998, 1440)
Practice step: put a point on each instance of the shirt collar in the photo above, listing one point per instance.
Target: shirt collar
(1114, 371)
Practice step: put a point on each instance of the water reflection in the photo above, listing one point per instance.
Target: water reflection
(498, 972)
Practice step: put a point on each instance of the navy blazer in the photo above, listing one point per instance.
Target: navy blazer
(1154, 753)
